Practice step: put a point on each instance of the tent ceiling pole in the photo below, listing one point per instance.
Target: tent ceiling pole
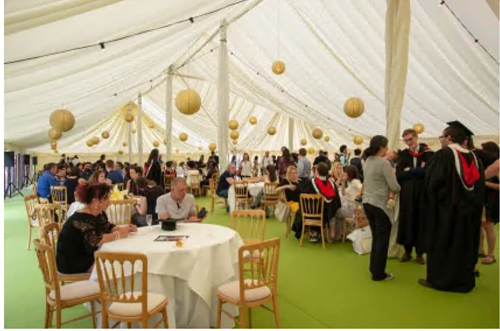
(130, 137)
(168, 114)
(139, 130)
(223, 99)
(290, 133)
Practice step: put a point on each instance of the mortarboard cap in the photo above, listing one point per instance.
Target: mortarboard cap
(459, 125)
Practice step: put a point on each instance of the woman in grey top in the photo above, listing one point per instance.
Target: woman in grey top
(380, 180)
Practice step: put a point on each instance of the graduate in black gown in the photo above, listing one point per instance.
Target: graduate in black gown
(410, 172)
(454, 187)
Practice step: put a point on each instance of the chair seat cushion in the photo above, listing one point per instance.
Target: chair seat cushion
(83, 276)
(135, 309)
(76, 290)
(254, 255)
(232, 290)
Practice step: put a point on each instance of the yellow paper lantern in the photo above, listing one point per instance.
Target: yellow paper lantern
(233, 124)
(311, 150)
(271, 131)
(278, 67)
(357, 140)
(124, 144)
(212, 147)
(188, 102)
(303, 142)
(62, 120)
(354, 107)
(134, 130)
(151, 125)
(419, 127)
(317, 133)
(95, 140)
(105, 135)
(253, 120)
(129, 117)
(235, 142)
(54, 134)
(53, 144)
(234, 135)
(120, 152)
(183, 136)
(129, 106)
(327, 138)
(156, 143)
(56, 151)
(90, 143)
(177, 151)
(200, 148)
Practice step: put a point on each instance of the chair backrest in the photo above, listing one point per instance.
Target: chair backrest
(113, 271)
(120, 186)
(50, 234)
(241, 189)
(47, 264)
(120, 211)
(195, 181)
(34, 188)
(254, 275)
(30, 202)
(360, 218)
(211, 183)
(46, 213)
(216, 176)
(168, 181)
(59, 194)
(270, 192)
(311, 206)
(250, 224)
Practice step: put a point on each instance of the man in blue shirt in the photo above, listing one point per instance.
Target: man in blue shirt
(46, 180)
(114, 175)
(344, 156)
(226, 180)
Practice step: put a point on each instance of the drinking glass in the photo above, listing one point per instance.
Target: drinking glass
(149, 220)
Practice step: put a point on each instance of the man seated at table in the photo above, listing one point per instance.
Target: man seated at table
(177, 204)
(46, 181)
(114, 175)
(226, 180)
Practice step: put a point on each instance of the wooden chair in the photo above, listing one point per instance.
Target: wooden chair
(312, 206)
(60, 297)
(60, 196)
(34, 188)
(49, 213)
(290, 218)
(30, 202)
(360, 220)
(120, 211)
(126, 304)
(195, 184)
(256, 287)
(250, 225)
(213, 195)
(271, 198)
(167, 182)
(241, 194)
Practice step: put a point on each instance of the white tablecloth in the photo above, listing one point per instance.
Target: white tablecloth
(188, 276)
(253, 189)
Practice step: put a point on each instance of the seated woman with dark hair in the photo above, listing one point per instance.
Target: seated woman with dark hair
(71, 183)
(211, 169)
(150, 192)
(86, 230)
(135, 172)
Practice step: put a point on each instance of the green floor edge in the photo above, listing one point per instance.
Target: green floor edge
(316, 288)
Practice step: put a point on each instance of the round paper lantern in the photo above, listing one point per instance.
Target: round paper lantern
(156, 143)
(53, 144)
(235, 142)
(134, 130)
(183, 136)
(105, 135)
(200, 148)
(234, 135)
(165, 141)
(151, 125)
(89, 143)
(212, 147)
(120, 152)
(419, 127)
(95, 140)
(62, 120)
(253, 120)
(354, 107)
(188, 102)
(357, 140)
(311, 150)
(56, 151)
(129, 117)
(177, 151)
(317, 133)
(327, 138)
(278, 67)
(54, 134)
(233, 124)
(271, 130)
(124, 144)
(303, 142)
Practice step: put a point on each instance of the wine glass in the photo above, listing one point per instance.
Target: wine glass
(149, 220)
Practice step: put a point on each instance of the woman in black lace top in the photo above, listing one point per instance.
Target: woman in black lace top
(86, 230)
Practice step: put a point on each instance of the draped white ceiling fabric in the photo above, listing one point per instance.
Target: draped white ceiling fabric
(333, 50)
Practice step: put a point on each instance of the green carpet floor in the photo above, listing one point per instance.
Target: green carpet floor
(317, 289)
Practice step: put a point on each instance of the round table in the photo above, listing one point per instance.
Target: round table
(188, 276)
(253, 189)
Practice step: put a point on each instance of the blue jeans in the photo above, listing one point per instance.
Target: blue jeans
(223, 193)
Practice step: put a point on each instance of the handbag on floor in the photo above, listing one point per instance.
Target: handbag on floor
(282, 211)
(361, 240)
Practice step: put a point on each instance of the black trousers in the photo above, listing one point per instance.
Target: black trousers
(380, 225)
(409, 249)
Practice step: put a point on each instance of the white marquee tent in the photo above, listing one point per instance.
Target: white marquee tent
(333, 50)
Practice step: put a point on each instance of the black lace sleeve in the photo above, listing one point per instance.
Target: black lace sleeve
(104, 223)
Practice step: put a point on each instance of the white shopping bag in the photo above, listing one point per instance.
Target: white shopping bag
(361, 240)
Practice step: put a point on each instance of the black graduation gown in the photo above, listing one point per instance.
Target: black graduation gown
(155, 173)
(452, 223)
(411, 200)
